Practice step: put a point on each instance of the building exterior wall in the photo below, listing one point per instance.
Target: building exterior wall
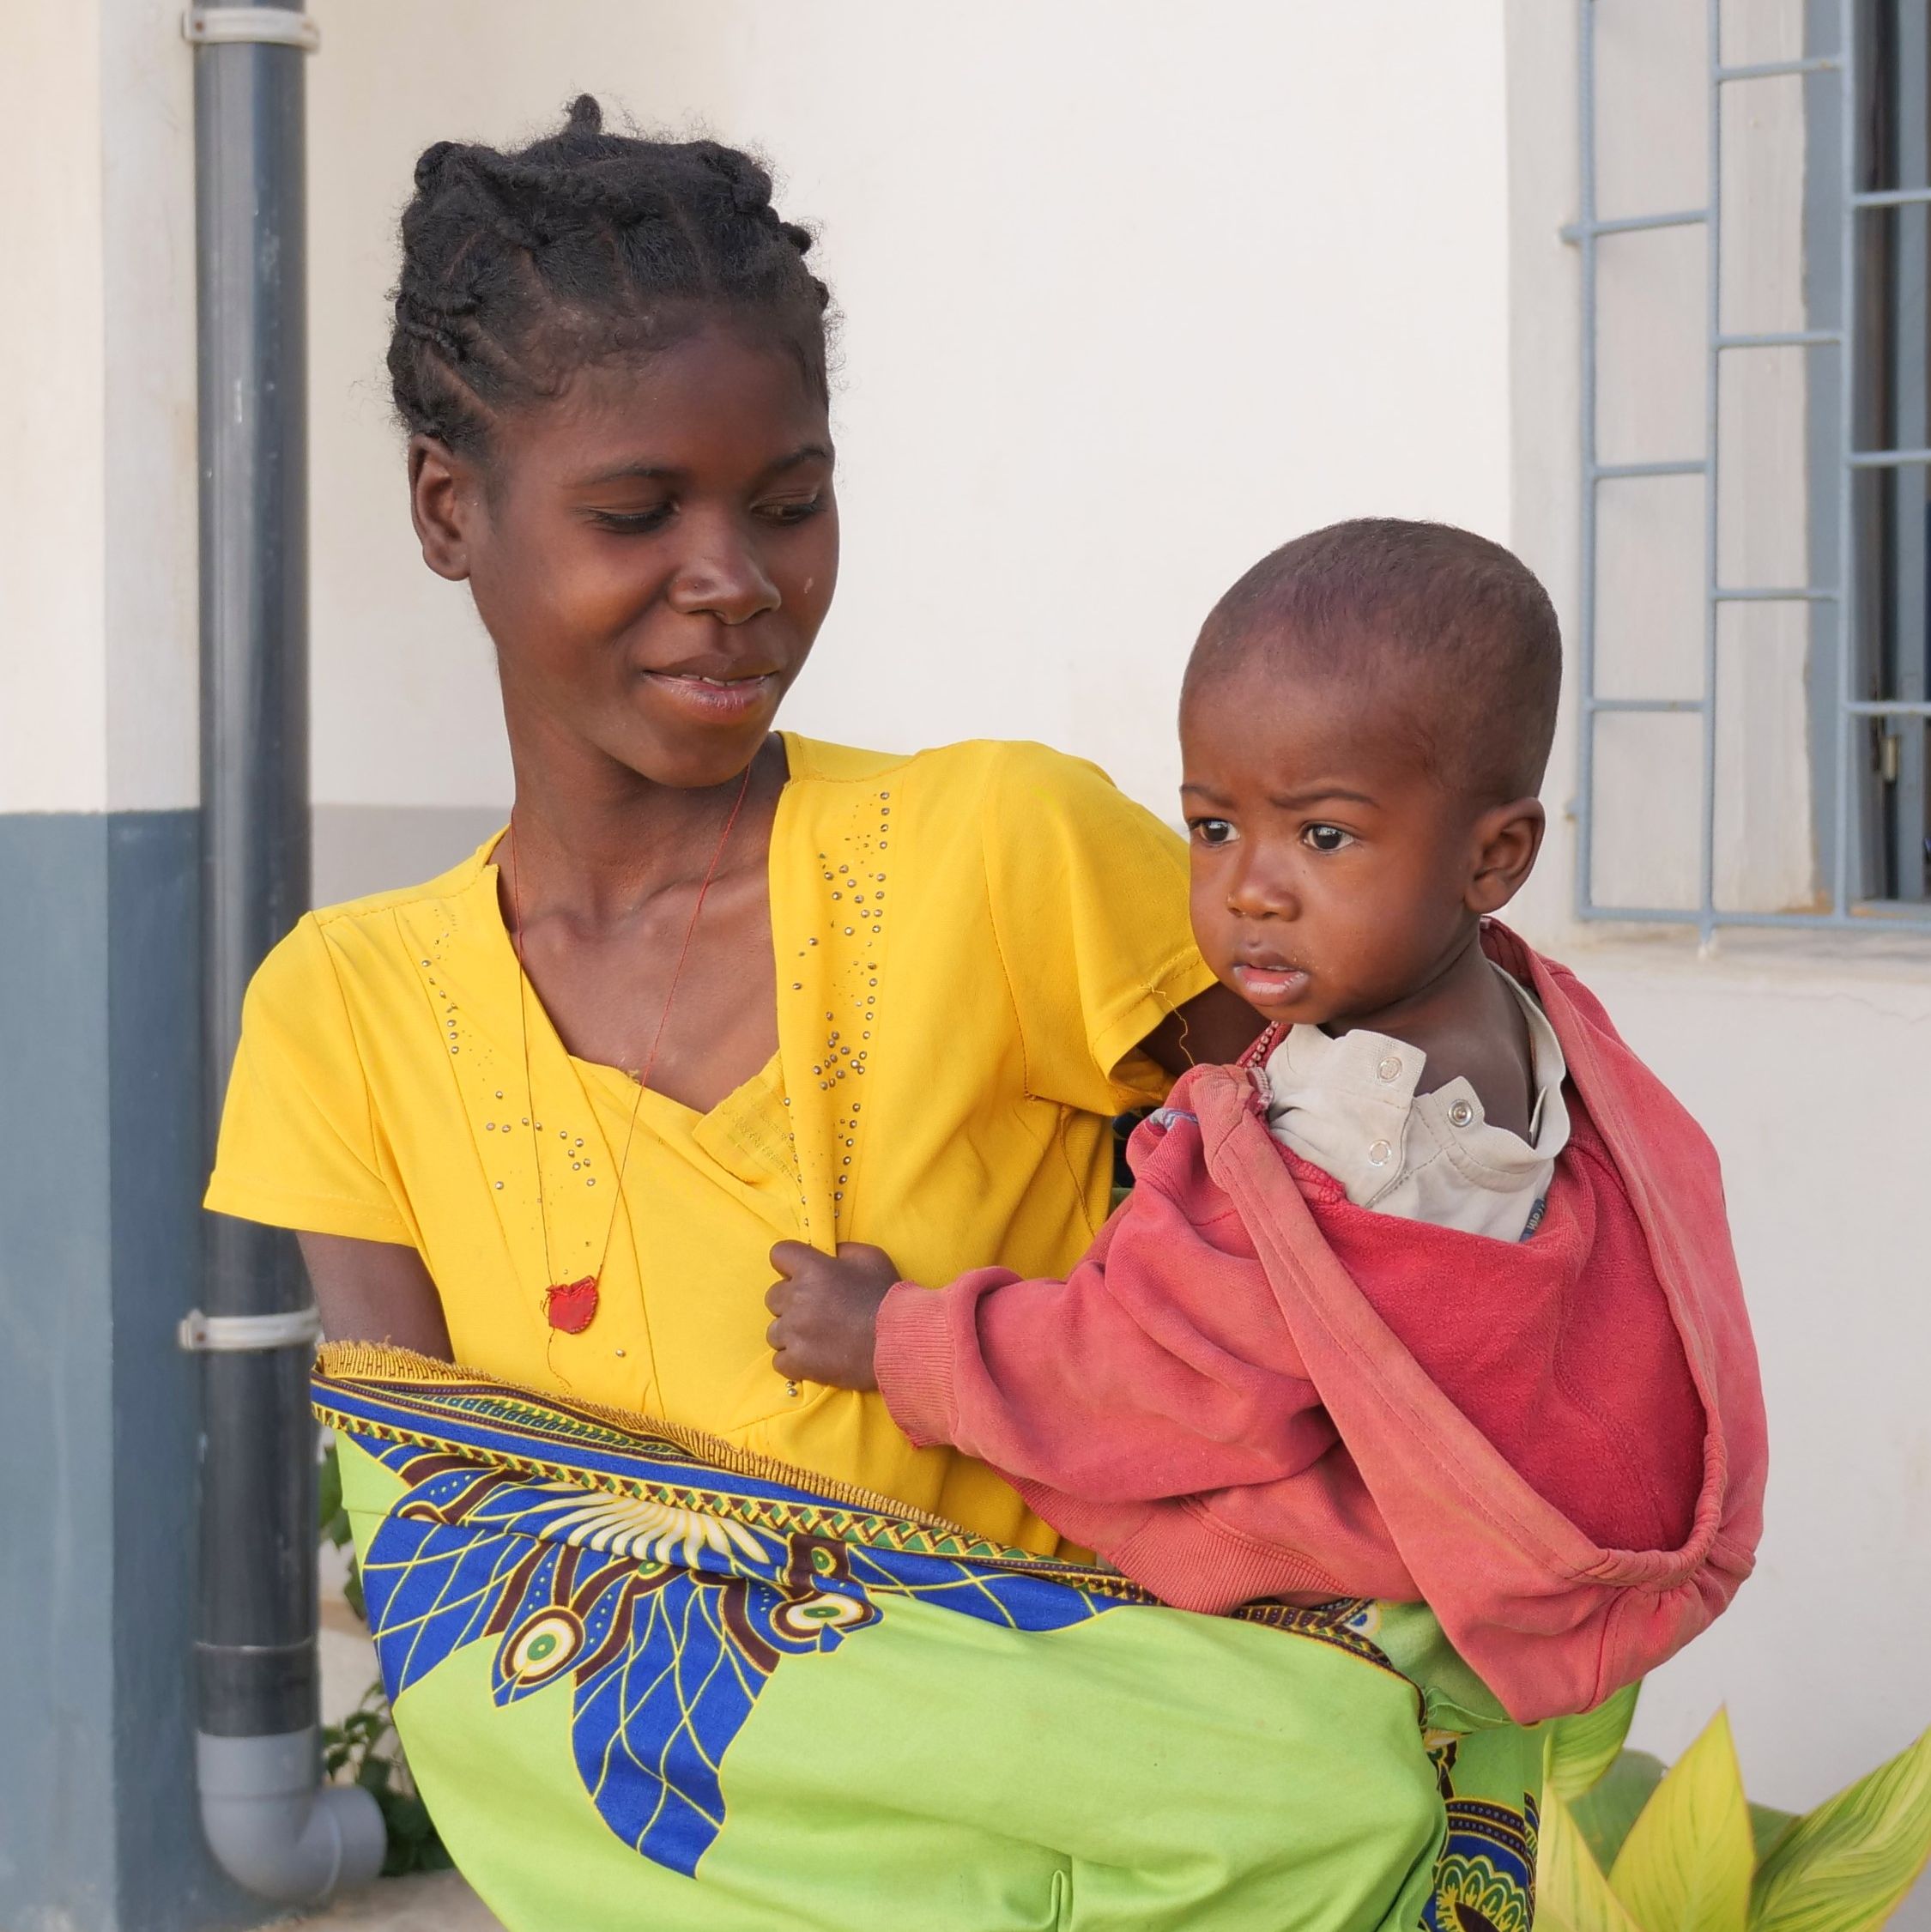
(101, 1144)
(1127, 303)
(1804, 1056)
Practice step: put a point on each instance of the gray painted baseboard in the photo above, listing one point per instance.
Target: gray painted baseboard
(101, 1162)
(363, 848)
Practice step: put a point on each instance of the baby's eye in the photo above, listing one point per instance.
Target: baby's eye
(1211, 831)
(1325, 838)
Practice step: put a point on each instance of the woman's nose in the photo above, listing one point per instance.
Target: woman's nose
(724, 576)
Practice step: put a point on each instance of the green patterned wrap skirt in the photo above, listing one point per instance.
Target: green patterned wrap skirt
(646, 1679)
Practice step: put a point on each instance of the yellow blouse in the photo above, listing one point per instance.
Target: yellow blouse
(970, 944)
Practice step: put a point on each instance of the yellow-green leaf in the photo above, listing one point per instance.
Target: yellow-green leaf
(1578, 1751)
(1686, 1863)
(1847, 1865)
(1571, 1894)
(1605, 1813)
(1767, 1826)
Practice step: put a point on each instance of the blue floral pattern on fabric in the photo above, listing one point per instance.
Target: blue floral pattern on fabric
(658, 1580)
(1485, 1879)
(666, 1620)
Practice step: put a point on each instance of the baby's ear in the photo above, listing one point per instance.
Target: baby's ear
(1503, 844)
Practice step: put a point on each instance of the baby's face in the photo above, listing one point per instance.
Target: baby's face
(1330, 869)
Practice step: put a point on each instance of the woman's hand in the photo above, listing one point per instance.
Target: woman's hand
(827, 1309)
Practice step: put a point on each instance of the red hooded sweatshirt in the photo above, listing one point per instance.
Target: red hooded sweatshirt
(1251, 1388)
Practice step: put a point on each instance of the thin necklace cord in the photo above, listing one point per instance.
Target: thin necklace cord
(656, 1038)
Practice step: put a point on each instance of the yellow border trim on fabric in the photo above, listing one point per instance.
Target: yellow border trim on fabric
(383, 1363)
(377, 1361)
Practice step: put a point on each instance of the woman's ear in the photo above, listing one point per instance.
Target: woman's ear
(1506, 840)
(445, 502)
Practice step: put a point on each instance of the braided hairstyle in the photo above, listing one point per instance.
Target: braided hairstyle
(520, 268)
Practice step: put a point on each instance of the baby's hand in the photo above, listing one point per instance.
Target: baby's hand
(827, 1310)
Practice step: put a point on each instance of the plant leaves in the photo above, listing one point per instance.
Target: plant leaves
(1571, 1894)
(331, 1519)
(1686, 1863)
(1847, 1865)
(1578, 1751)
(1605, 1813)
(1767, 1827)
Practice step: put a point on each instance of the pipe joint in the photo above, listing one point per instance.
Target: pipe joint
(276, 1831)
(270, 25)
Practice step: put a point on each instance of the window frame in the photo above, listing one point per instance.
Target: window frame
(1862, 812)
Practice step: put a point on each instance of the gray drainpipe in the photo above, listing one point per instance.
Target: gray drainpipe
(269, 1820)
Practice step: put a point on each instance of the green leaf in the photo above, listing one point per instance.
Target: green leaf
(1767, 1827)
(331, 1517)
(1605, 1815)
(1847, 1865)
(1578, 1751)
(352, 1590)
(1571, 1894)
(1686, 1863)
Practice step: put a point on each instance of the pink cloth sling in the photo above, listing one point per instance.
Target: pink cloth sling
(1250, 1388)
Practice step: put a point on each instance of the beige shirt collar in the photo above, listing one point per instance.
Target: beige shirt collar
(1349, 1105)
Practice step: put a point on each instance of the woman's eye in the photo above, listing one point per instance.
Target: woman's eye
(1325, 838)
(1211, 831)
(792, 512)
(634, 522)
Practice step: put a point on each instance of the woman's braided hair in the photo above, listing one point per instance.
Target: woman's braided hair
(520, 268)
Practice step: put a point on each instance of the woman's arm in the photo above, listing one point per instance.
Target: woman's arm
(1213, 1029)
(376, 1291)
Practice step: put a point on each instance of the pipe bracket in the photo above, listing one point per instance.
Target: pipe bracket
(268, 26)
(223, 1335)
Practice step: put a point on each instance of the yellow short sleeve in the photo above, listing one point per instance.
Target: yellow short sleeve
(298, 1146)
(1088, 893)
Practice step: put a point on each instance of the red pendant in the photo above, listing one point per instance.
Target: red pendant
(572, 1305)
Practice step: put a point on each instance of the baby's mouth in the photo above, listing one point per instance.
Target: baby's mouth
(1265, 983)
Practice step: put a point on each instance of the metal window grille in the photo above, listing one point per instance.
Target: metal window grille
(1871, 720)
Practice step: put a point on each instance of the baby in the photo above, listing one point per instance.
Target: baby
(1432, 1297)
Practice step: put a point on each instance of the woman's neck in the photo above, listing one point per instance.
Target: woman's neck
(594, 846)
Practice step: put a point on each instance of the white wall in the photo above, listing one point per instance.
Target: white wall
(1133, 292)
(98, 678)
(1807, 1058)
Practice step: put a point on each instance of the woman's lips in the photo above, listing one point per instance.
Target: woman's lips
(1270, 985)
(716, 699)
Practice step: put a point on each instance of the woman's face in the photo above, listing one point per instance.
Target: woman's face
(652, 552)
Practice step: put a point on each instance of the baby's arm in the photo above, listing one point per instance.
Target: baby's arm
(1159, 1368)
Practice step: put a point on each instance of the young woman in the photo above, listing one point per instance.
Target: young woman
(715, 987)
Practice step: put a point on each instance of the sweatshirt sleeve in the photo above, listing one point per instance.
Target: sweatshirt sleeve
(1156, 1369)
(1152, 1406)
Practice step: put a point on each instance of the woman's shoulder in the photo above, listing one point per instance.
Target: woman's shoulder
(307, 964)
(972, 770)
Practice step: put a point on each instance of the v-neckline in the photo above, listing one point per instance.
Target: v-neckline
(623, 1089)
(655, 1099)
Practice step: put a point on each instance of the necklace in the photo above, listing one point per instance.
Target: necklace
(570, 1306)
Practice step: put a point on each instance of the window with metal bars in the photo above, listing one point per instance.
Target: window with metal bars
(1754, 634)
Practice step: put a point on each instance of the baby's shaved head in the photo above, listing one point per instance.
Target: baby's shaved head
(1454, 632)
